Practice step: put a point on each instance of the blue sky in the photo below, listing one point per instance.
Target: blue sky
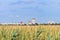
(17, 10)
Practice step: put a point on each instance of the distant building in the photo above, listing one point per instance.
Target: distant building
(21, 23)
(51, 22)
(29, 22)
(33, 20)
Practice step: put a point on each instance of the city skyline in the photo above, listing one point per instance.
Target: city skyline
(13, 11)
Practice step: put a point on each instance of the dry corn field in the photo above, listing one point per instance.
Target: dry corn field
(40, 32)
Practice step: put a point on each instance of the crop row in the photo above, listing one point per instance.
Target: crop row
(29, 33)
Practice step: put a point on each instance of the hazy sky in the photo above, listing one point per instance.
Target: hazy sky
(17, 10)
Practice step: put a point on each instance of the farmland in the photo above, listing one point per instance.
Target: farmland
(37, 32)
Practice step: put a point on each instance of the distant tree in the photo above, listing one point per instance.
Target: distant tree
(36, 24)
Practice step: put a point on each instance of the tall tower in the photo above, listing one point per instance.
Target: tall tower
(33, 20)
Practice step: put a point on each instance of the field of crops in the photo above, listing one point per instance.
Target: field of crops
(40, 32)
